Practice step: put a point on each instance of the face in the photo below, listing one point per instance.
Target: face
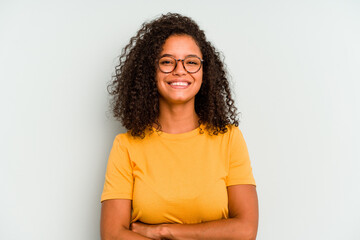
(179, 86)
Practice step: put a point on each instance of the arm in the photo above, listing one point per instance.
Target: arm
(242, 223)
(115, 220)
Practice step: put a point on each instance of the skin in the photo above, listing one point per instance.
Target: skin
(177, 106)
(177, 115)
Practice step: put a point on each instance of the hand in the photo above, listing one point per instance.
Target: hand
(156, 232)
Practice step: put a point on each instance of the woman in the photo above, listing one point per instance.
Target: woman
(182, 170)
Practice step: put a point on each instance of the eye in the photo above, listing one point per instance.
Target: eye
(192, 61)
(165, 61)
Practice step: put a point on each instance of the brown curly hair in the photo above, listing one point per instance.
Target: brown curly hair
(135, 97)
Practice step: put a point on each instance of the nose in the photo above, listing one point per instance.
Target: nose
(179, 69)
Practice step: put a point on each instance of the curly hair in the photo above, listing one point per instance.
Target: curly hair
(135, 97)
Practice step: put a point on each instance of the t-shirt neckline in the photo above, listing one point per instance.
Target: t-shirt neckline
(175, 136)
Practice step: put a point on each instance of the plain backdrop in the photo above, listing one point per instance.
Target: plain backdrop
(294, 69)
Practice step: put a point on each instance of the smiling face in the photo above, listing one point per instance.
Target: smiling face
(179, 86)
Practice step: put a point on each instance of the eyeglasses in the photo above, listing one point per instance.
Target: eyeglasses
(191, 64)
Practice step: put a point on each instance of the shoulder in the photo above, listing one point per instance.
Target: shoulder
(122, 140)
(232, 130)
(126, 140)
(234, 134)
(231, 133)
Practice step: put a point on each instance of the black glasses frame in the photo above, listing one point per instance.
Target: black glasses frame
(182, 60)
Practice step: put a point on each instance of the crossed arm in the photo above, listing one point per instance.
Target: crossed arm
(242, 222)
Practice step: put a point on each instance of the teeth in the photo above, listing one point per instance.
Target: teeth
(179, 83)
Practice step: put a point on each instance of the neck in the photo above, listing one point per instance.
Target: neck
(178, 118)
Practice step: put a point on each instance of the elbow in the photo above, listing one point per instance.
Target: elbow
(246, 236)
(112, 234)
(109, 236)
(250, 236)
(248, 233)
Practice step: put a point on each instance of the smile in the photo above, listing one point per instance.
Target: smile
(179, 85)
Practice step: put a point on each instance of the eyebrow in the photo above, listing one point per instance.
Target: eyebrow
(169, 55)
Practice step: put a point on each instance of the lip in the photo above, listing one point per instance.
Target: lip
(178, 80)
(178, 86)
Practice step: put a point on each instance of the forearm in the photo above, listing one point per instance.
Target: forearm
(232, 228)
(123, 234)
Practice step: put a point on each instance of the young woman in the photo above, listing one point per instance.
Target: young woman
(182, 171)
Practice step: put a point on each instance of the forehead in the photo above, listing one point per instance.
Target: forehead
(181, 46)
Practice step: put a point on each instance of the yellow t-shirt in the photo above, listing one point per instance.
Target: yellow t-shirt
(177, 178)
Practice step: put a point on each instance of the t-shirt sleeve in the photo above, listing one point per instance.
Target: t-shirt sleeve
(240, 171)
(118, 177)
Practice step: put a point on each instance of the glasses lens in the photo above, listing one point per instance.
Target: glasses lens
(192, 64)
(167, 64)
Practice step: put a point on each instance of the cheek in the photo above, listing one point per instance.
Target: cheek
(160, 76)
(157, 79)
(199, 78)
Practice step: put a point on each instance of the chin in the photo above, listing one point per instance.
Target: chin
(178, 100)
